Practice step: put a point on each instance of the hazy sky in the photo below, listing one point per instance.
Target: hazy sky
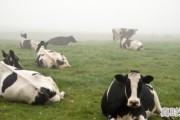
(149, 16)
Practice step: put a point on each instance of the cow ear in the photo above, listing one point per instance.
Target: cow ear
(120, 78)
(147, 79)
(4, 54)
(11, 52)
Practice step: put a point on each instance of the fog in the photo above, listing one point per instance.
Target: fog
(95, 16)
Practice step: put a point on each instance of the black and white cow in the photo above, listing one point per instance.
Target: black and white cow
(50, 59)
(11, 59)
(130, 97)
(30, 44)
(131, 44)
(120, 33)
(27, 86)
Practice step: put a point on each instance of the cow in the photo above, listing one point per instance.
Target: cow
(131, 44)
(120, 33)
(61, 40)
(127, 33)
(30, 44)
(11, 59)
(50, 59)
(130, 97)
(31, 87)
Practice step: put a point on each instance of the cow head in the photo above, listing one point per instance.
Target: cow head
(133, 86)
(61, 61)
(11, 59)
(24, 35)
(72, 39)
(42, 43)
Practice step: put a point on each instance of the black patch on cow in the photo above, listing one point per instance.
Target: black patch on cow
(39, 62)
(8, 81)
(147, 98)
(34, 74)
(50, 93)
(41, 98)
(60, 62)
(128, 88)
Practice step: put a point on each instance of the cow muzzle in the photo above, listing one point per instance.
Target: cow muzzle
(133, 103)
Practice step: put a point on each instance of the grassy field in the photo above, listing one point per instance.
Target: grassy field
(94, 64)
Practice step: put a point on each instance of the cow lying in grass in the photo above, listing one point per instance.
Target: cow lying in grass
(130, 97)
(50, 59)
(30, 44)
(131, 44)
(27, 86)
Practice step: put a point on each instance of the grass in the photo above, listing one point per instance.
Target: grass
(94, 63)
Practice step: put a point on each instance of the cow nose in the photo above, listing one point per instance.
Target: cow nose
(134, 103)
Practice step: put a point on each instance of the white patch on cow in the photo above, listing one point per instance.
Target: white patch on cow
(134, 78)
(116, 34)
(109, 89)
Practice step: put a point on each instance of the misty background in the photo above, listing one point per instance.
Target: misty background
(44, 19)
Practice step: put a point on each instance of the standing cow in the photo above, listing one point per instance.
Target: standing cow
(120, 33)
(130, 97)
(131, 44)
(50, 59)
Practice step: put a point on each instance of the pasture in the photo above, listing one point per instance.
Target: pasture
(94, 64)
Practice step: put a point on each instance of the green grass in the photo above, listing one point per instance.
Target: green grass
(94, 64)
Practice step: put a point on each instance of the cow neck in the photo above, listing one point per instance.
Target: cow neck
(11, 68)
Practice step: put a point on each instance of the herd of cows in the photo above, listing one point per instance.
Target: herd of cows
(129, 97)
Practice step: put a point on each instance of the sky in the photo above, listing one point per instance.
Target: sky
(148, 16)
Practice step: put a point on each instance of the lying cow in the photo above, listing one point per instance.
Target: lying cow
(27, 86)
(11, 59)
(50, 59)
(30, 44)
(130, 97)
(19, 79)
(131, 44)
(61, 40)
